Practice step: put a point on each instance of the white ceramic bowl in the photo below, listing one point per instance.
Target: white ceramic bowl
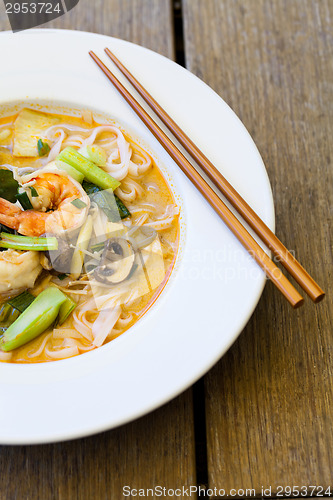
(215, 285)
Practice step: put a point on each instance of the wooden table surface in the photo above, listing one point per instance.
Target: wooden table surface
(263, 416)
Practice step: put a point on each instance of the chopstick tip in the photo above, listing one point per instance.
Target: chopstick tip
(319, 298)
(298, 304)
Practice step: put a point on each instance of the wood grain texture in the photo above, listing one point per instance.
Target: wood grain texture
(270, 399)
(145, 22)
(157, 449)
(154, 450)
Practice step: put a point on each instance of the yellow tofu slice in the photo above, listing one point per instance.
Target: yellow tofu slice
(30, 126)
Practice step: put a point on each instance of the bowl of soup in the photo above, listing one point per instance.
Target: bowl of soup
(87, 188)
(119, 285)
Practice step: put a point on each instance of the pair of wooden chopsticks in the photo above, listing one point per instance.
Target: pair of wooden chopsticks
(254, 221)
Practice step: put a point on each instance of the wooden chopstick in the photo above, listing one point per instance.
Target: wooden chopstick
(271, 270)
(259, 227)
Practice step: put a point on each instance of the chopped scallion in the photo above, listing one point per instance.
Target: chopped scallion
(21, 302)
(18, 242)
(42, 147)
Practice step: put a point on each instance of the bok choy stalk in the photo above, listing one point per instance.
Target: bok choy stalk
(7, 316)
(18, 242)
(89, 169)
(34, 320)
(66, 309)
(73, 172)
(94, 153)
(12, 308)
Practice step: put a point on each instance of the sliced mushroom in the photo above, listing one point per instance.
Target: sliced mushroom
(59, 260)
(116, 262)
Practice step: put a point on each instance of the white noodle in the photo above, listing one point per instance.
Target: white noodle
(63, 333)
(129, 190)
(5, 356)
(39, 351)
(66, 352)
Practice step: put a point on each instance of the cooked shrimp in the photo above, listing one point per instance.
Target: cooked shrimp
(53, 210)
(18, 271)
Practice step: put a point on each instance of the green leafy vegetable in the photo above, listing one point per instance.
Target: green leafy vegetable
(42, 147)
(8, 185)
(89, 169)
(62, 276)
(34, 193)
(90, 188)
(24, 200)
(106, 201)
(19, 242)
(78, 203)
(123, 210)
(6, 229)
(34, 320)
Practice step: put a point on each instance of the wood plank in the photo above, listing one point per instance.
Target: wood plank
(154, 450)
(270, 399)
(157, 449)
(145, 22)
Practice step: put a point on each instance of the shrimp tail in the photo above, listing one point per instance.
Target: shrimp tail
(9, 214)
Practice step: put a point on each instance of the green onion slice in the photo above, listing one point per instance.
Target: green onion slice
(21, 302)
(42, 147)
(18, 242)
